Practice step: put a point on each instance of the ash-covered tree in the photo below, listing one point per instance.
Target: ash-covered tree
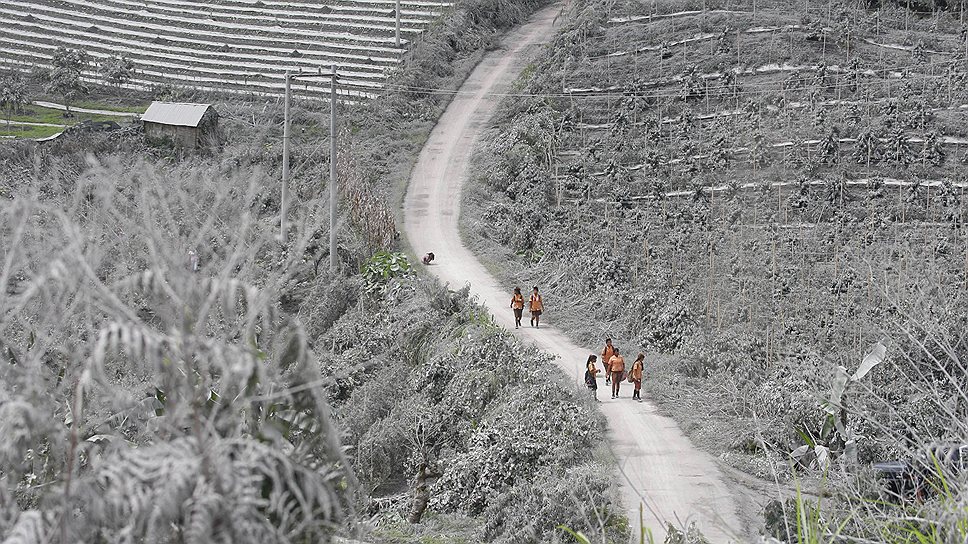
(13, 94)
(899, 149)
(692, 84)
(869, 149)
(829, 150)
(759, 150)
(932, 151)
(117, 71)
(64, 79)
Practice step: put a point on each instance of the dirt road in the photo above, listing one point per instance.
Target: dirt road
(62, 107)
(659, 466)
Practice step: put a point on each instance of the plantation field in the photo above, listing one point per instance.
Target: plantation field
(223, 45)
(756, 194)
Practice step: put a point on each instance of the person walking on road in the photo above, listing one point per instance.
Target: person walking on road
(635, 376)
(591, 373)
(606, 357)
(616, 365)
(517, 304)
(536, 305)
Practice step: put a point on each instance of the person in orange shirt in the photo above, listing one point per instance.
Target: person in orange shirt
(536, 305)
(606, 357)
(617, 367)
(635, 375)
(517, 304)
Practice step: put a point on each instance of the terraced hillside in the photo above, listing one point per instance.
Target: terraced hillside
(242, 46)
(763, 190)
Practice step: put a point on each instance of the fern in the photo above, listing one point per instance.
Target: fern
(136, 403)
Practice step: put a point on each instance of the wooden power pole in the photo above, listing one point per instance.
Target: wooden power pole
(283, 234)
(332, 172)
(398, 23)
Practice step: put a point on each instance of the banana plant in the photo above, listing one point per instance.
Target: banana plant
(818, 451)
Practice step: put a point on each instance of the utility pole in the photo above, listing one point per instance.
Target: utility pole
(332, 171)
(398, 23)
(283, 234)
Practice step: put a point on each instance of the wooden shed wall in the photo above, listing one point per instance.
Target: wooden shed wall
(180, 136)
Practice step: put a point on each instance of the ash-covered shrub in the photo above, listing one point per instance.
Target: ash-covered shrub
(492, 421)
(150, 387)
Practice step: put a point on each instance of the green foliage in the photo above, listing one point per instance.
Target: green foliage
(382, 267)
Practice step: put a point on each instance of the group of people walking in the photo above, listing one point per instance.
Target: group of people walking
(612, 359)
(615, 371)
(535, 306)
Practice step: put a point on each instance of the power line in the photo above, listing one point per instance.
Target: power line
(616, 93)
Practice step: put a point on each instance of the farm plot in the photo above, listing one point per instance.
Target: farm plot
(764, 191)
(222, 45)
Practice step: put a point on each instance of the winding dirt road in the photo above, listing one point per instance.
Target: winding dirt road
(659, 467)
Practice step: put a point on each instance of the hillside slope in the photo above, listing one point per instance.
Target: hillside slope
(171, 372)
(756, 195)
(240, 46)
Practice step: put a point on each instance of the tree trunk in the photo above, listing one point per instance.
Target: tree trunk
(421, 494)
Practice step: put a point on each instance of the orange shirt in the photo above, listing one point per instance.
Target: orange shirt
(607, 355)
(636, 371)
(517, 301)
(616, 363)
(536, 303)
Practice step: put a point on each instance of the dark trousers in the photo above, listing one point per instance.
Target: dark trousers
(517, 315)
(616, 382)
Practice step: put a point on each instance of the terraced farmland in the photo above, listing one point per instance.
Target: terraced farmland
(241, 46)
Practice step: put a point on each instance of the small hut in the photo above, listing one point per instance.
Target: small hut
(186, 125)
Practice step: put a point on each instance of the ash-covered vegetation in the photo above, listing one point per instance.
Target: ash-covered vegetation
(760, 195)
(170, 372)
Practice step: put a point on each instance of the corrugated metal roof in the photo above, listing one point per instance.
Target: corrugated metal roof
(173, 113)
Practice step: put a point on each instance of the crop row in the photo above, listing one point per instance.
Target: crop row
(374, 17)
(232, 46)
(147, 80)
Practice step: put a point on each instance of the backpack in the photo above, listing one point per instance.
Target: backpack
(589, 379)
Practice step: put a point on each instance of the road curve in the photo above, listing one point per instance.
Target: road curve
(658, 465)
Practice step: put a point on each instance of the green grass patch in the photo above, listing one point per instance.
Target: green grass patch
(37, 114)
(28, 131)
(138, 106)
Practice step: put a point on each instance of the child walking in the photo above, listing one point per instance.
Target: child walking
(606, 357)
(536, 306)
(517, 304)
(617, 366)
(635, 376)
(590, 376)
